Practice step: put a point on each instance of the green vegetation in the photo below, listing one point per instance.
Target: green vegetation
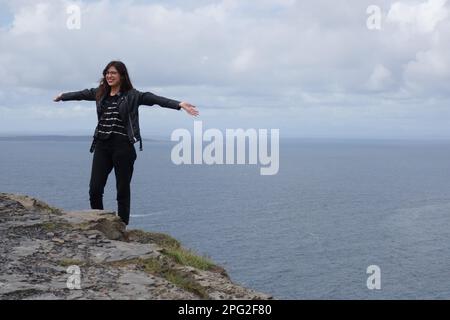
(188, 258)
(160, 239)
(45, 207)
(52, 226)
(177, 277)
(173, 249)
(166, 269)
(70, 262)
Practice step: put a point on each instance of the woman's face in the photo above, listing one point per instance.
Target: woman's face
(113, 77)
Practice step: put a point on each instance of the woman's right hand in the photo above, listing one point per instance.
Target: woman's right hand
(58, 98)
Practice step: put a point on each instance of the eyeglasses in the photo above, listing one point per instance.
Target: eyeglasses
(113, 73)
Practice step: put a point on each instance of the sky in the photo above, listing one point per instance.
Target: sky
(352, 69)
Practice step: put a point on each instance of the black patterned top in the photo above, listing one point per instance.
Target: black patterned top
(110, 122)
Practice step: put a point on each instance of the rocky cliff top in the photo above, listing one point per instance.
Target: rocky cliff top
(49, 253)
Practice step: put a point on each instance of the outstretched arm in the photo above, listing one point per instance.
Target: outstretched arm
(150, 99)
(86, 94)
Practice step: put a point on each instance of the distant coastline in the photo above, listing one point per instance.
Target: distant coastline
(58, 138)
(307, 140)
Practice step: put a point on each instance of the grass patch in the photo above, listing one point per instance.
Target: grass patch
(178, 278)
(160, 239)
(188, 258)
(52, 226)
(45, 207)
(173, 249)
(82, 225)
(165, 268)
(153, 265)
(186, 283)
(70, 262)
(52, 210)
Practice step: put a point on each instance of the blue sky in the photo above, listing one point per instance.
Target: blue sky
(310, 69)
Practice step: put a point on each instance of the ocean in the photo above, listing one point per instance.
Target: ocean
(311, 231)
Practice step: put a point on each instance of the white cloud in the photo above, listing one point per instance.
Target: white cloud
(32, 19)
(244, 60)
(233, 54)
(380, 78)
(421, 17)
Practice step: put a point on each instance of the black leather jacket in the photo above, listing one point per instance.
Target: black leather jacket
(128, 104)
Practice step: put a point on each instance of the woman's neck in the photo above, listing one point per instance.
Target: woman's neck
(114, 90)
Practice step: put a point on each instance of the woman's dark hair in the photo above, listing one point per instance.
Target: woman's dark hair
(125, 82)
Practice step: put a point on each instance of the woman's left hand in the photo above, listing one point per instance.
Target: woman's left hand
(189, 108)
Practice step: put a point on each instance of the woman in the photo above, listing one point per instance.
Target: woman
(117, 130)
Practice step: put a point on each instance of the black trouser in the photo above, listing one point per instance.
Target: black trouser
(118, 153)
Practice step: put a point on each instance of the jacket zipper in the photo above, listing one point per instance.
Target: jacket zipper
(129, 121)
(131, 126)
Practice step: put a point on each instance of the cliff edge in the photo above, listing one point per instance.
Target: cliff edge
(48, 253)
